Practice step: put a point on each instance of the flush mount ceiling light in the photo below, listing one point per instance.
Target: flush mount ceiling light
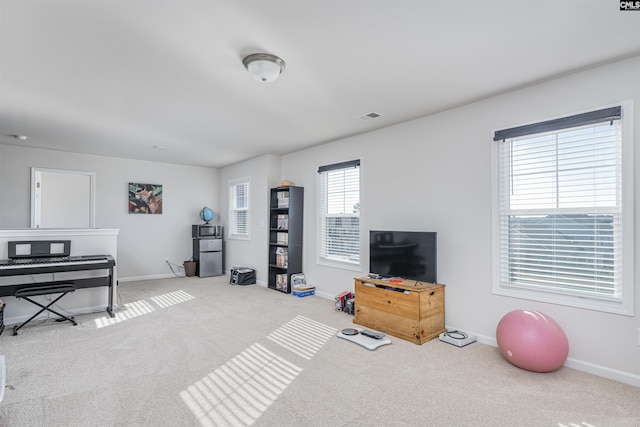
(264, 67)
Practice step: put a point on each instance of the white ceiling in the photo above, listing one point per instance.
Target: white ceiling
(115, 78)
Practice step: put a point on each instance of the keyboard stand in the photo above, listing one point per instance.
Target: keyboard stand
(62, 288)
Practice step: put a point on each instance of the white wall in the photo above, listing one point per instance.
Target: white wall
(264, 173)
(144, 240)
(434, 174)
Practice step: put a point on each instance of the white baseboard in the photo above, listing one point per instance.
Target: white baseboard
(151, 277)
(325, 295)
(159, 276)
(603, 371)
(580, 365)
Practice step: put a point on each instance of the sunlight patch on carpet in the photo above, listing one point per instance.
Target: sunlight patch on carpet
(132, 309)
(237, 393)
(172, 298)
(582, 424)
(241, 390)
(302, 336)
(138, 308)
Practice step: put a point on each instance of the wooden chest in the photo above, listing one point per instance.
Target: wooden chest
(410, 310)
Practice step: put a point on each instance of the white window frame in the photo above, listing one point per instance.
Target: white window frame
(322, 258)
(623, 305)
(233, 187)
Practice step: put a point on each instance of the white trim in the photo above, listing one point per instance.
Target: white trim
(626, 306)
(343, 265)
(567, 300)
(577, 364)
(36, 196)
(238, 237)
(628, 198)
(58, 232)
(150, 277)
(603, 371)
(230, 221)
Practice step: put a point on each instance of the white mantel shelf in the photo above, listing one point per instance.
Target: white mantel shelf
(57, 232)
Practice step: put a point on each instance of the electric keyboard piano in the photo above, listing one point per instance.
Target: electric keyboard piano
(43, 265)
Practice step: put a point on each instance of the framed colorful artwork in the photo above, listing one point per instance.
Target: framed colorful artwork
(145, 198)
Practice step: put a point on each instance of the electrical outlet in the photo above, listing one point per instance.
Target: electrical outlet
(638, 336)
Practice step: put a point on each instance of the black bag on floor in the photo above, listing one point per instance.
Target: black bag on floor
(242, 276)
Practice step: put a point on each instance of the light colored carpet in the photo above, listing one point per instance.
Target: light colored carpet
(193, 351)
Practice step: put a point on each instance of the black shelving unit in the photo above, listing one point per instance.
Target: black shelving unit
(285, 236)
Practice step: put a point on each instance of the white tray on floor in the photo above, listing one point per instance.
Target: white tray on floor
(365, 341)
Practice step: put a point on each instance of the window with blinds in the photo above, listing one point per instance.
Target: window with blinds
(239, 208)
(560, 220)
(339, 214)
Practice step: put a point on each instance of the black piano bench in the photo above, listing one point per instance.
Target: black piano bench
(60, 288)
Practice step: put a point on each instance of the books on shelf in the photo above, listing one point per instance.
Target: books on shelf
(283, 199)
(281, 282)
(282, 257)
(283, 222)
(282, 238)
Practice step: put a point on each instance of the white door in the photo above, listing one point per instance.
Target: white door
(62, 199)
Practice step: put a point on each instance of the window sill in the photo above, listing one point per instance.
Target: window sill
(238, 237)
(337, 264)
(587, 303)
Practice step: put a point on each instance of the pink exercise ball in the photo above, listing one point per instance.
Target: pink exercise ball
(532, 340)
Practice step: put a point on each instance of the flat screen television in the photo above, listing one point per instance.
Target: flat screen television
(411, 255)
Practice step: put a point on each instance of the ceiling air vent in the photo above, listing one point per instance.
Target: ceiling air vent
(369, 116)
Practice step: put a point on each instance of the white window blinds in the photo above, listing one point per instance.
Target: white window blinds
(339, 213)
(560, 224)
(239, 208)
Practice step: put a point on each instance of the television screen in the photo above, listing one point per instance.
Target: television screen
(409, 255)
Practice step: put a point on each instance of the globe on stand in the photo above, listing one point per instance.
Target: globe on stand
(206, 214)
